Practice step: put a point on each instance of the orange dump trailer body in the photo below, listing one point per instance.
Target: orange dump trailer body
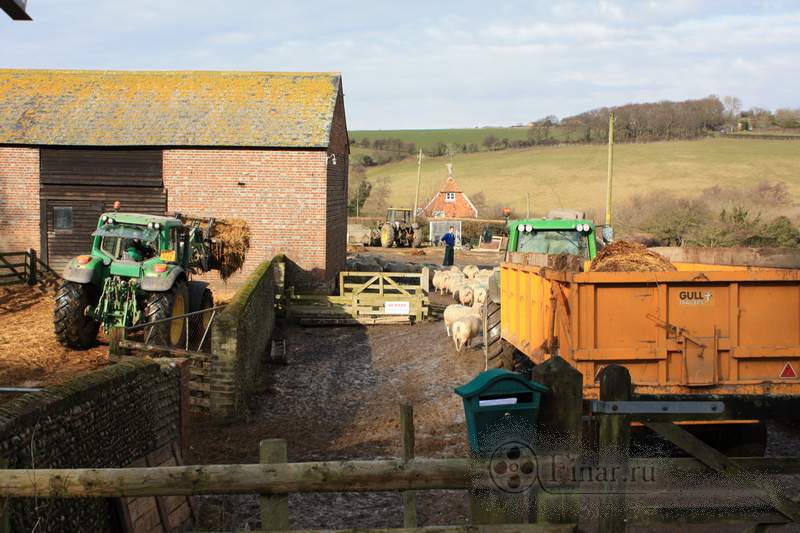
(701, 330)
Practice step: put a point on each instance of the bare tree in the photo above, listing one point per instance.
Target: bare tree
(733, 106)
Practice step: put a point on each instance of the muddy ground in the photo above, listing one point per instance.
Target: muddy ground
(30, 356)
(338, 398)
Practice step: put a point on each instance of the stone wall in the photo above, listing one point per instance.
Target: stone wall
(105, 419)
(241, 340)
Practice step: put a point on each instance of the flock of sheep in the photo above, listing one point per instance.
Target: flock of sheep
(463, 321)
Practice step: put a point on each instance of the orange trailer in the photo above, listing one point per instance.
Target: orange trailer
(703, 330)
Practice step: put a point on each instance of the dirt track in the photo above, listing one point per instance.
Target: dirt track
(338, 399)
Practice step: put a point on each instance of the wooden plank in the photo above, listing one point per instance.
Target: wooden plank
(500, 528)
(722, 463)
(202, 402)
(203, 387)
(274, 507)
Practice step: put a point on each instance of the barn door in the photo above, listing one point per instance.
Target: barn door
(69, 226)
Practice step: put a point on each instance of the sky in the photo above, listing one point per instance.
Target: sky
(440, 64)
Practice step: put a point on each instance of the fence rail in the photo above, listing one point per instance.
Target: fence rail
(24, 267)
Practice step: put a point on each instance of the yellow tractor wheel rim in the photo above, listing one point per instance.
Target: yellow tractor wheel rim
(176, 326)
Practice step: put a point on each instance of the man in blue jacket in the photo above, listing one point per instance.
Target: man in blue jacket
(449, 240)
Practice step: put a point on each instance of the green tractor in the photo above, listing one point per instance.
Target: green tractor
(138, 271)
(574, 236)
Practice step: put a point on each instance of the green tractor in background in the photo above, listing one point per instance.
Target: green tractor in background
(138, 271)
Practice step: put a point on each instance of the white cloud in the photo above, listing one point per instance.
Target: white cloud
(438, 64)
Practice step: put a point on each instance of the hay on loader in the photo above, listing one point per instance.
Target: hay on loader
(235, 236)
(622, 256)
(233, 241)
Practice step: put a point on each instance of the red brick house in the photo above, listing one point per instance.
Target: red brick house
(450, 202)
(271, 148)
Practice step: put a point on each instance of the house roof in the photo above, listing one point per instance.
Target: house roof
(451, 186)
(167, 108)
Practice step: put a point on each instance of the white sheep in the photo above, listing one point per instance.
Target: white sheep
(453, 281)
(465, 294)
(479, 295)
(470, 271)
(455, 311)
(439, 278)
(465, 329)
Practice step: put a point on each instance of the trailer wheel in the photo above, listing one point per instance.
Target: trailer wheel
(162, 305)
(73, 328)
(499, 353)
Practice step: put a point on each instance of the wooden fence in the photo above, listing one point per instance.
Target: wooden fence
(23, 267)
(274, 478)
(365, 298)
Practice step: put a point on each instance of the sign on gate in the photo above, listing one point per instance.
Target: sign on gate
(397, 308)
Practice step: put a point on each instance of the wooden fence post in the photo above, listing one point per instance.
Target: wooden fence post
(115, 335)
(407, 432)
(560, 424)
(274, 507)
(614, 441)
(31, 257)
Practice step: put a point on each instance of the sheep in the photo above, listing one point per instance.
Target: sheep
(465, 294)
(453, 281)
(479, 295)
(470, 271)
(455, 311)
(455, 269)
(438, 281)
(465, 329)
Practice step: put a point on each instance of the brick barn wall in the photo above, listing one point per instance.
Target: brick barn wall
(281, 193)
(19, 199)
(336, 209)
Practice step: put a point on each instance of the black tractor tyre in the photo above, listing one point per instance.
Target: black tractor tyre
(416, 240)
(387, 235)
(161, 305)
(499, 353)
(73, 328)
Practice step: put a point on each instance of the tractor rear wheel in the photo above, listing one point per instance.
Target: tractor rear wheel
(163, 305)
(73, 328)
(499, 353)
(387, 235)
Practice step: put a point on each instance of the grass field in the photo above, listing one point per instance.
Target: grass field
(425, 139)
(574, 176)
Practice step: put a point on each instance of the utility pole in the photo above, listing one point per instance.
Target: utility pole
(419, 173)
(527, 205)
(608, 233)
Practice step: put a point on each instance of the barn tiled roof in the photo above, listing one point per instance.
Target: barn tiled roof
(161, 108)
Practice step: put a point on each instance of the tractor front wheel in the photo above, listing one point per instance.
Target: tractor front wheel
(72, 326)
(163, 305)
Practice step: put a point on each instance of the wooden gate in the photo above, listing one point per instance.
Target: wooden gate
(365, 298)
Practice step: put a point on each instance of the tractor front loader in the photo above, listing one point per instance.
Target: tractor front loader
(139, 270)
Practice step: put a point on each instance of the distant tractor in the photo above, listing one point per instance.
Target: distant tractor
(399, 230)
(138, 271)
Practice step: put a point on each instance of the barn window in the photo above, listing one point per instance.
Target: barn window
(62, 218)
(449, 197)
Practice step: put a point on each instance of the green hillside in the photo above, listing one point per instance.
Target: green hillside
(426, 139)
(574, 176)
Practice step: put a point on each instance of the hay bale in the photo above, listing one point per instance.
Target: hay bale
(623, 256)
(235, 236)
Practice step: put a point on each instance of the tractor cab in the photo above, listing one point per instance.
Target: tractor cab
(553, 236)
(399, 215)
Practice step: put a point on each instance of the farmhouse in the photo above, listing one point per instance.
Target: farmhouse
(267, 147)
(450, 201)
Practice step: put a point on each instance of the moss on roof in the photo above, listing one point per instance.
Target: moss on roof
(165, 108)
